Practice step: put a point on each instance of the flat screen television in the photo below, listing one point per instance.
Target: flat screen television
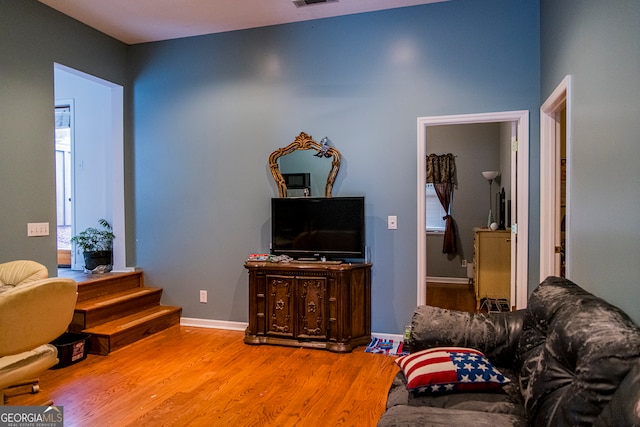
(317, 227)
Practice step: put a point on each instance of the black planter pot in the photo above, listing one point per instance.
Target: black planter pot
(95, 259)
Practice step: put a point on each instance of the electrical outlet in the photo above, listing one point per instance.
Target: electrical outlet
(463, 264)
(37, 229)
(392, 222)
(203, 296)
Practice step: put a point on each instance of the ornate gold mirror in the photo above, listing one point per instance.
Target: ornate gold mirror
(306, 164)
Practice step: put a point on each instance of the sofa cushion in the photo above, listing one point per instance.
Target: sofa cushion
(406, 416)
(506, 400)
(624, 408)
(575, 349)
(450, 369)
(495, 334)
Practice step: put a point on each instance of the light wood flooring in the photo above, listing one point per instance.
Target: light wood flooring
(452, 296)
(186, 376)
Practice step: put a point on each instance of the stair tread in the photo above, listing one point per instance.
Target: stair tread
(92, 286)
(115, 298)
(124, 323)
(117, 309)
(85, 279)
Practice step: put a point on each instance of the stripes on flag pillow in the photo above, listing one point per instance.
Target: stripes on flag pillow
(449, 370)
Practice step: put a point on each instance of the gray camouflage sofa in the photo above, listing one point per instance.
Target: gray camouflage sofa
(572, 358)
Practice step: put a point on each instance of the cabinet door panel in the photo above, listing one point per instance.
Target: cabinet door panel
(492, 265)
(280, 305)
(312, 317)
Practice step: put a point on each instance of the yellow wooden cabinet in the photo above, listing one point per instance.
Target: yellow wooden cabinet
(492, 260)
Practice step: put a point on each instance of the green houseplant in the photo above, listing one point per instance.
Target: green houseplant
(97, 247)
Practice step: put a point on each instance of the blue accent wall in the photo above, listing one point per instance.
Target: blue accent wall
(208, 111)
(32, 38)
(598, 44)
(204, 113)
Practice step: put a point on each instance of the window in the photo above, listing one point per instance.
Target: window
(434, 209)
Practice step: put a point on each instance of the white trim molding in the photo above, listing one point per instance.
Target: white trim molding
(242, 326)
(448, 280)
(213, 324)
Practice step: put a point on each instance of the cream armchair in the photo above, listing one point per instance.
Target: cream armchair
(33, 312)
(14, 273)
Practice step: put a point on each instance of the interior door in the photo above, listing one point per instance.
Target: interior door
(513, 215)
(555, 168)
(560, 248)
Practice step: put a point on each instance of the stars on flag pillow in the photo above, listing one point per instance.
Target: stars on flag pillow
(448, 370)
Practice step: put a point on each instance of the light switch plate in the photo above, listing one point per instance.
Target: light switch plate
(37, 229)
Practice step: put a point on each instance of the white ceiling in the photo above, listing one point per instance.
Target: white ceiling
(139, 21)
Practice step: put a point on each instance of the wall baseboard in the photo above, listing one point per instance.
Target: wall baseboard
(452, 280)
(213, 324)
(241, 326)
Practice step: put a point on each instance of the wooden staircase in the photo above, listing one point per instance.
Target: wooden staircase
(117, 309)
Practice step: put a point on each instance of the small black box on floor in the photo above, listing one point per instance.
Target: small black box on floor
(72, 348)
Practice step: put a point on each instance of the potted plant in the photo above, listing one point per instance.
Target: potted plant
(97, 247)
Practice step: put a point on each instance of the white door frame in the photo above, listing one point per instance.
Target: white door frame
(520, 193)
(559, 99)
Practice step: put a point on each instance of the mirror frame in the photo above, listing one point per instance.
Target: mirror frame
(303, 142)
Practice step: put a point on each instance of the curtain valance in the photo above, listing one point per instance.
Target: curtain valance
(441, 169)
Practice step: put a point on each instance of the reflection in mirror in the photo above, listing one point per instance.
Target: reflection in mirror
(305, 156)
(297, 182)
(315, 169)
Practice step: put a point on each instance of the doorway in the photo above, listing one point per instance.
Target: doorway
(97, 156)
(519, 178)
(477, 202)
(555, 181)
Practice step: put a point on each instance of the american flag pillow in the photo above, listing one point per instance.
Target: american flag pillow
(449, 369)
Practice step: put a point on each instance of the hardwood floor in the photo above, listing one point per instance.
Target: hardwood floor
(452, 296)
(186, 376)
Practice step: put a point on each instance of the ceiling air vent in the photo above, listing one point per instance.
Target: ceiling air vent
(302, 3)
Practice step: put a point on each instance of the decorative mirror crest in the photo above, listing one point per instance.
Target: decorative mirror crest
(305, 142)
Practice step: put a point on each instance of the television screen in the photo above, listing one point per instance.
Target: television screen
(315, 227)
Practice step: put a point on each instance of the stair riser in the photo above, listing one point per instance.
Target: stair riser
(116, 309)
(88, 319)
(104, 344)
(108, 285)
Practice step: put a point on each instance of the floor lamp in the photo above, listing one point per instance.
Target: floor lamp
(490, 176)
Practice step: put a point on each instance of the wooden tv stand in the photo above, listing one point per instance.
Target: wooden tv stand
(324, 306)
